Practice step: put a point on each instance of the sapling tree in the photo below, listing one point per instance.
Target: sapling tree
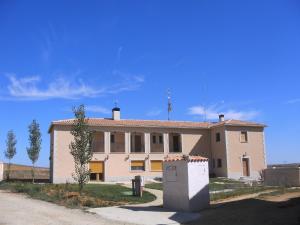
(35, 142)
(10, 150)
(81, 147)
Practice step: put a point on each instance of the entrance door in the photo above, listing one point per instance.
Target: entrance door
(97, 171)
(246, 172)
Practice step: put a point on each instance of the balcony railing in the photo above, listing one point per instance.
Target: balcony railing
(117, 147)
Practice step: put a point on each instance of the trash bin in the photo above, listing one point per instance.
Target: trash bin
(137, 186)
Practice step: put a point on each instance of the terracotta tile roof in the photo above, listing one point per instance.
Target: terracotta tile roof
(238, 123)
(137, 123)
(188, 158)
(156, 123)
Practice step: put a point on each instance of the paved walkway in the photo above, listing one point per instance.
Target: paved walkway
(147, 214)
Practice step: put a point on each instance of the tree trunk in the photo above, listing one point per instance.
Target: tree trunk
(8, 171)
(32, 173)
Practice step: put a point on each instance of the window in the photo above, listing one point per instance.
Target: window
(156, 165)
(218, 137)
(219, 163)
(176, 144)
(112, 138)
(98, 142)
(214, 163)
(96, 170)
(161, 139)
(154, 139)
(137, 165)
(244, 136)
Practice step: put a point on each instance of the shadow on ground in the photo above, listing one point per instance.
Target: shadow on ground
(171, 216)
(252, 212)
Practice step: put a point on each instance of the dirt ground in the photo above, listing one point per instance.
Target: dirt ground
(268, 210)
(17, 209)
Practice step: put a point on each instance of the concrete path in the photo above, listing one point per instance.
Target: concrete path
(17, 209)
(147, 214)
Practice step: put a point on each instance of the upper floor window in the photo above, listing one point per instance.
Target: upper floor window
(112, 138)
(244, 136)
(218, 137)
(154, 139)
(161, 139)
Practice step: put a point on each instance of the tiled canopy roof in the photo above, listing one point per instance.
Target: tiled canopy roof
(155, 123)
(188, 158)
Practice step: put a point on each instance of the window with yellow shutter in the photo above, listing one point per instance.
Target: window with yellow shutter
(137, 165)
(96, 170)
(156, 165)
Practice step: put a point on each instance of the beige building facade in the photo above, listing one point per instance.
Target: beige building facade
(126, 148)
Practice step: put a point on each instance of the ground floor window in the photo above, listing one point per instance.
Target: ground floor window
(96, 170)
(137, 165)
(156, 165)
(219, 163)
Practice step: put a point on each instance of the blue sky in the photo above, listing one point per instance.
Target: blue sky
(240, 58)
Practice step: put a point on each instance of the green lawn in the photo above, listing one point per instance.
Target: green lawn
(218, 184)
(215, 184)
(94, 195)
(157, 186)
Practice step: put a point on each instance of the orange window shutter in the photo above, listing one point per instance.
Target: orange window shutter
(137, 163)
(96, 167)
(156, 165)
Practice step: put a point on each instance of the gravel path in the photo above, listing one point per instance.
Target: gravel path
(17, 209)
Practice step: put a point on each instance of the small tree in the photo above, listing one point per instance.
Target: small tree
(35, 141)
(10, 150)
(81, 147)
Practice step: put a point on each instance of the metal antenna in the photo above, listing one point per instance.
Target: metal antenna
(169, 103)
(116, 103)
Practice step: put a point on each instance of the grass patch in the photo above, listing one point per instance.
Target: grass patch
(94, 195)
(215, 184)
(239, 192)
(156, 186)
(218, 184)
(280, 191)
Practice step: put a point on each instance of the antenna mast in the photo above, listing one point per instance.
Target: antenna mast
(169, 103)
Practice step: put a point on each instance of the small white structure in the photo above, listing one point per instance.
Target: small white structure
(185, 183)
(1, 171)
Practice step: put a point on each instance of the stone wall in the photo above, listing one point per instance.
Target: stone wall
(23, 173)
(282, 176)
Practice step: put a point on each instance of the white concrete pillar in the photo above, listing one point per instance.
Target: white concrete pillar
(166, 143)
(1, 171)
(147, 143)
(106, 142)
(127, 142)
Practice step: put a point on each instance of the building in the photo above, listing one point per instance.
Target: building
(125, 148)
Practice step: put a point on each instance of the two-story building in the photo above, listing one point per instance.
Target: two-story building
(125, 148)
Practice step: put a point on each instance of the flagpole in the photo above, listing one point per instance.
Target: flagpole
(169, 104)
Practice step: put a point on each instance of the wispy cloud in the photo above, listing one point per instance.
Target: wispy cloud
(212, 112)
(119, 52)
(293, 101)
(97, 109)
(32, 88)
(154, 112)
(48, 40)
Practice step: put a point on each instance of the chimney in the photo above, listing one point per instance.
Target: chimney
(221, 118)
(116, 114)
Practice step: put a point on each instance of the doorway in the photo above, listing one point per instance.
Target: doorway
(246, 171)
